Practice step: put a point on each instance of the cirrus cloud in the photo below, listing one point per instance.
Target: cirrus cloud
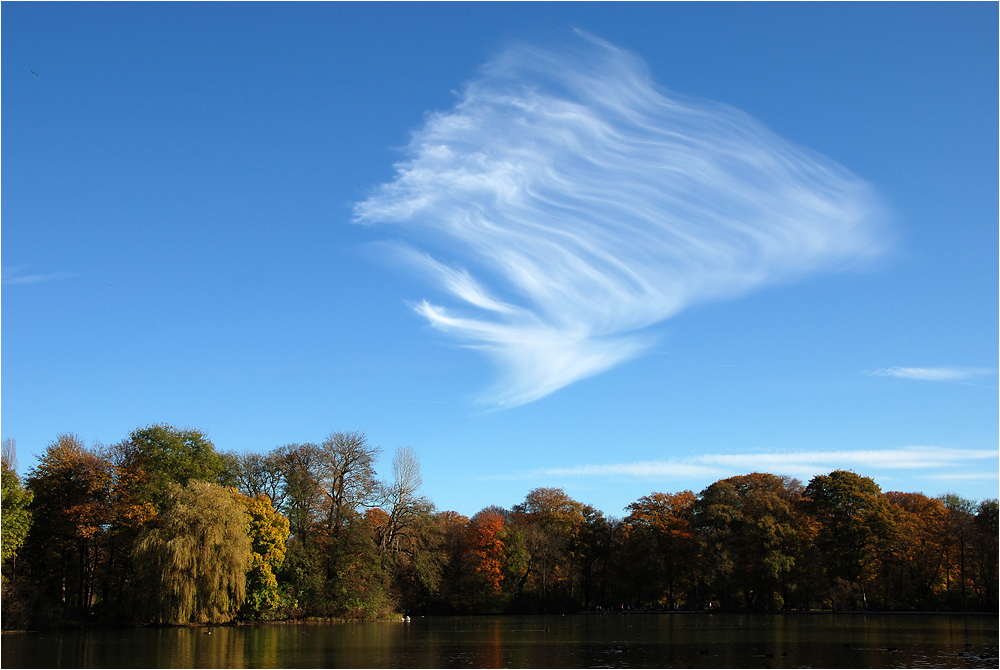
(944, 374)
(798, 464)
(15, 275)
(572, 203)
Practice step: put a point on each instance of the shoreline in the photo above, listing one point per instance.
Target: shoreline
(341, 620)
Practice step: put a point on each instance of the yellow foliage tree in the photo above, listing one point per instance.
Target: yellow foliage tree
(268, 531)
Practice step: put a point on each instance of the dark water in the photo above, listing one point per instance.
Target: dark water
(611, 640)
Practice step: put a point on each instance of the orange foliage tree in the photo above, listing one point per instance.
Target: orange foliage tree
(912, 560)
(666, 517)
(485, 547)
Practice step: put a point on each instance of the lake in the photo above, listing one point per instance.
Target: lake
(637, 640)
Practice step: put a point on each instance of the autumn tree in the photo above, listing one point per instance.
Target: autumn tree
(333, 564)
(347, 485)
(666, 519)
(912, 559)
(268, 531)
(72, 510)
(485, 552)
(960, 529)
(196, 557)
(407, 535)
(853, 518)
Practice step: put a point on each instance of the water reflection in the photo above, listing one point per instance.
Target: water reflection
(617, 640)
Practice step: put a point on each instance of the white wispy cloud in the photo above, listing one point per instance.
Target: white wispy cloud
(965, 476)
(945, 374)
(796, 464)
(574, 203)
(14, 276)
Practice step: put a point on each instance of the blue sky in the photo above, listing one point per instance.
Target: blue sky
(616, 248)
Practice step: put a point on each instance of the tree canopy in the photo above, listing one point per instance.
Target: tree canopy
(162, 528)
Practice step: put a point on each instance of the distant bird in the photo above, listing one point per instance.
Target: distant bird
(34, 73)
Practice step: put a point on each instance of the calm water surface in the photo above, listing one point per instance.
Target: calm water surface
(609, 641)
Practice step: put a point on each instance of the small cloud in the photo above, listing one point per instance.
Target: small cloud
(13, 276)
(944, 374)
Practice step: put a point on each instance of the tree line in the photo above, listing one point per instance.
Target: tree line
(162, 528)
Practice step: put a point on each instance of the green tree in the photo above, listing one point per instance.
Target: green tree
(161, 455)
(748, 529)
(854, 518)
(195, 558)
(334, 566)
(417, 557)
(986, 553)
(592, 547)
(550, 523)
(347, 486)
(15, 522)
(451, 526)
(16, 517)
(361, 586)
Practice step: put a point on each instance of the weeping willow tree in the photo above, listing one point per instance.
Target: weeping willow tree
(195, 559)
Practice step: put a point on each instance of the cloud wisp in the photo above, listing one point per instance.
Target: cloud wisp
(944, 374)
(13, 276)
(796, 464)
(572, 203)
